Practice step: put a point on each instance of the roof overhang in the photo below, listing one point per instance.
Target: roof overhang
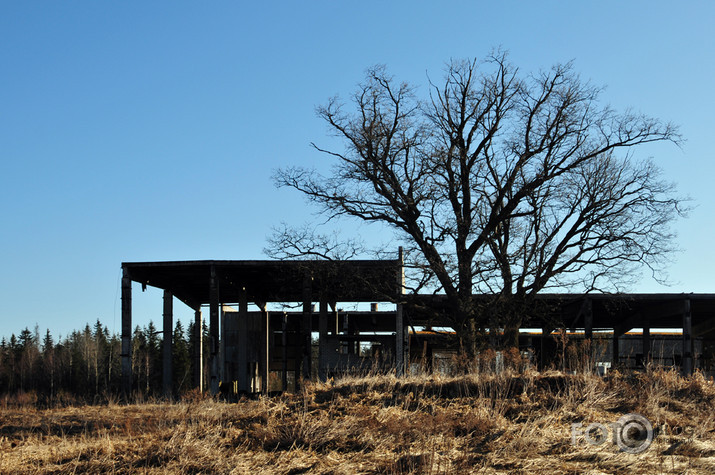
(271, 281)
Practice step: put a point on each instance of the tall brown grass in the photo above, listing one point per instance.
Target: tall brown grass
(510, 422)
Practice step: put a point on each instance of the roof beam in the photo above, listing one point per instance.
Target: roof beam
(635, 320)
(703, 328)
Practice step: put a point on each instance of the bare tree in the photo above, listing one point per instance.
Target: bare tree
(301, 242)
(499, 185)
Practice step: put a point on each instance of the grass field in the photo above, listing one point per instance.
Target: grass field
(506, 423)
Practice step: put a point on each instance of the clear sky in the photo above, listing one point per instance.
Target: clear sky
(147, 131)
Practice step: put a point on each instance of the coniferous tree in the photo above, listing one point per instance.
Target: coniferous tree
(181, 360)
(139, 361)
(3, 365)
(48, 364)
(114, 373)
(76, 364)
(191, 333)
(86, 364)
(154, 358)
(29, 355)
(13, 356)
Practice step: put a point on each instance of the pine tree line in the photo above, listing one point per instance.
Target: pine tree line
(86, 364)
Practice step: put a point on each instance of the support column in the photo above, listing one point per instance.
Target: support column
(222, 376)
(284, 356)
(244, 375)
(687, 358)
(198, 351)
(126, 333)
(646, 345)
(307, 324)
(588, 319)
(615, 349)
(167, 362)
(334, 325)
(322, 341)
(400, 360)
(399, 341)
(265, 361)
(213, 331)
(348, 330)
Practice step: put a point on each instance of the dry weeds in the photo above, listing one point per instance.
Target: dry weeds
(508, 423)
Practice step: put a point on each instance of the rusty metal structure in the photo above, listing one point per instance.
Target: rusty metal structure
(247, 348)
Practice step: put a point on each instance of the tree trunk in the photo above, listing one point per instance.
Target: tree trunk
(511, 334)
(470, 339)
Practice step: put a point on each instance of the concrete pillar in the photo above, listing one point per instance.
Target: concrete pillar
(400, 347)
(167, 368)
(244, 376)
(687, 358)
(198, 351)
(348, 329)
(615, 349)
(284, 356)
(213, 331)
(399, 341)
(222, 376)
(646, 345)
(322, 341)
(126, 332)
(265, 361)
(307, 324)
(588, 319)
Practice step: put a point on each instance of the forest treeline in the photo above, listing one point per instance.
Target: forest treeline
(86, 364)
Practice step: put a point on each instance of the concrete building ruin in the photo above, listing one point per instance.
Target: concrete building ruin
(254, 344)
(250, 348)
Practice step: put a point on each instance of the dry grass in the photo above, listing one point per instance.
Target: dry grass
(509, 423)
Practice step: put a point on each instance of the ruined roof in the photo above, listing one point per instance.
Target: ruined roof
(608, 311)
(271, 281)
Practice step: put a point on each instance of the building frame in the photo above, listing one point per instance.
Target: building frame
(253, 349)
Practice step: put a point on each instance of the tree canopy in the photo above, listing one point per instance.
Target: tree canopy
(499, 183)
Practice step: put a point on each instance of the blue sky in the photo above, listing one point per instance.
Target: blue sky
(143, 131)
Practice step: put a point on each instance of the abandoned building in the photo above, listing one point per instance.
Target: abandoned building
(264, 349)
(246, 347)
